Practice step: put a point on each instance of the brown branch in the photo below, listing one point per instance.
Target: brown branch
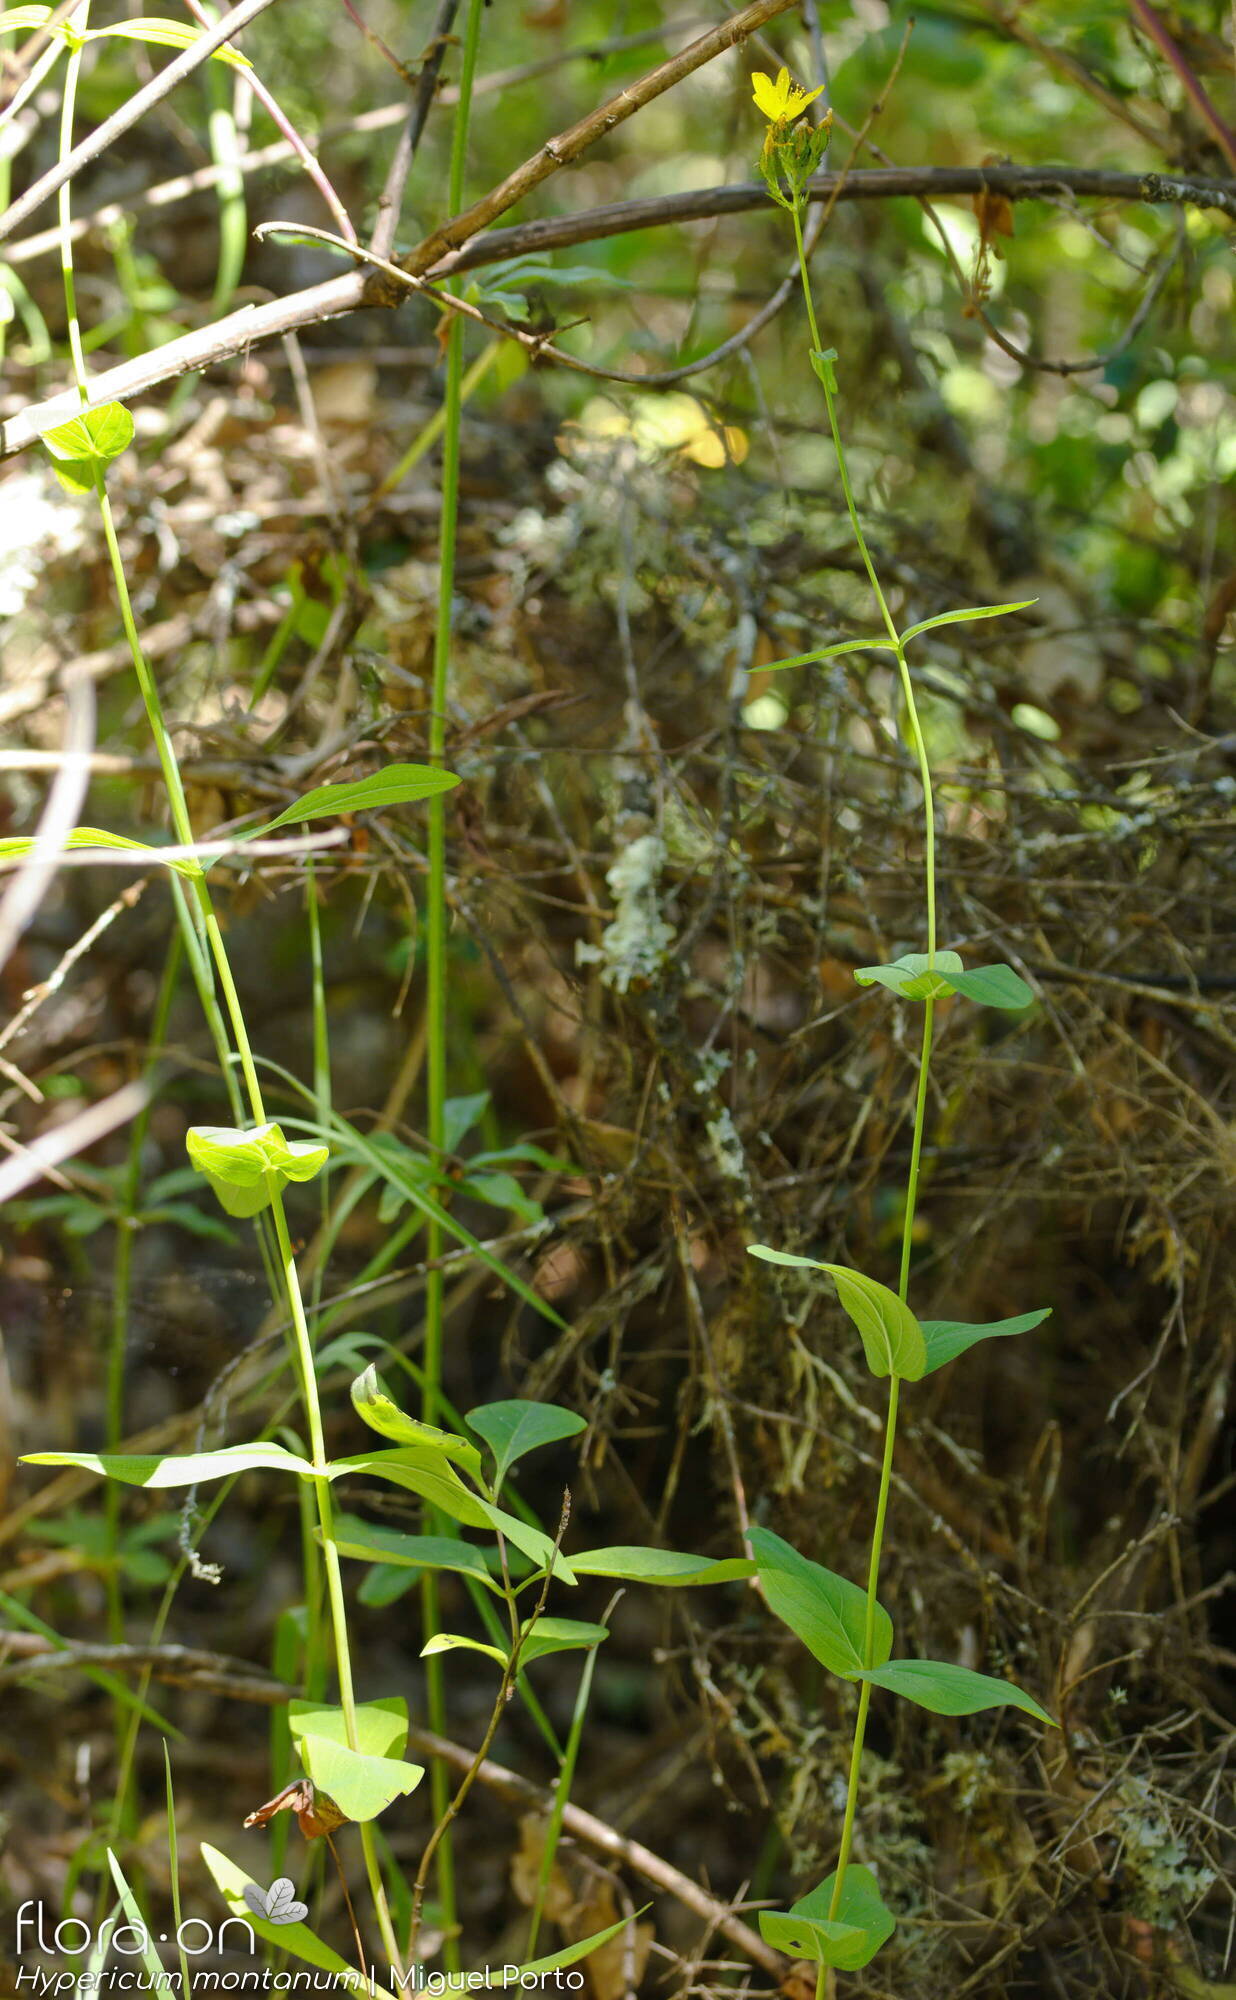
(240, 330)
(574, 142)
(559, 232)
(104, 135)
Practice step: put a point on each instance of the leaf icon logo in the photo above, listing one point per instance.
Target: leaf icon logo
(278, 1904)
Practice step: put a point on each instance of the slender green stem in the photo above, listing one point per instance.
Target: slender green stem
(208, 924)
(435, 971)
(823, 365)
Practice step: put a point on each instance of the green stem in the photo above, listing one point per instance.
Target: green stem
(915, 731)
(208, 924)
(435, 970)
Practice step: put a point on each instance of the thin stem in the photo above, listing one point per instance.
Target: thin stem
(208, 924)
(435, 974)
(823, 366)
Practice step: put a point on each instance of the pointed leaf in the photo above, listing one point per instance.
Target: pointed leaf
(559, 1635)
(850, 1940)
(963, 617)
(191, 1468)
(421, 1471)
(532, 1542)
(381, 1726)
(167, 34)
(950, 1690)
(892, 1338)
(456, 1642)
(993, 986)
(369, 1543)
(916, 977)
(295, 1938)
(947, 1338)
(15, 19)
(149, 1956)
(828, 1613)
(536, 1968)
(831, 653)
(373, 1402)
(660, 1566)
(511, 1430)
(18, 846)
(397, 785)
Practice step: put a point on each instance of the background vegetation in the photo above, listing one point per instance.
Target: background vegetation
(663, 864)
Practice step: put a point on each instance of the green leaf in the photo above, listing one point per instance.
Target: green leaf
(963, 617)
(532, 1542)
(892, 1338)
(18, 846)
(244, 1165)
(297, 1939)
(149, 1956)
(571, 1954)
(547, 1635)
(511, 1430)
(660, 1566)
(361, 1786)
(368, 1543)
(825, 1611)
(947, 1338)
(381, 1726)
(459, 1115)
(994, 986)
(397, 785)
(455, 1642)
(559, 1635)
(86, 445)
(422, 1471)
(916, 977)
(373, 1402)
(192, 1468)
(16, 19)
(831, 653)
(863, 1923)
(909, 976)
(166, 34)
(949, 1690)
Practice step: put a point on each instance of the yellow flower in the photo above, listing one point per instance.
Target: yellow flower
(782, 101)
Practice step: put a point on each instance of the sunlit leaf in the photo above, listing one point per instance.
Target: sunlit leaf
(190, 1468)
(297, 1939)
(381, 1726)
(16, 847)
(166, 34)
(372, 1401)
(244, 1164)
(361, 1786)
